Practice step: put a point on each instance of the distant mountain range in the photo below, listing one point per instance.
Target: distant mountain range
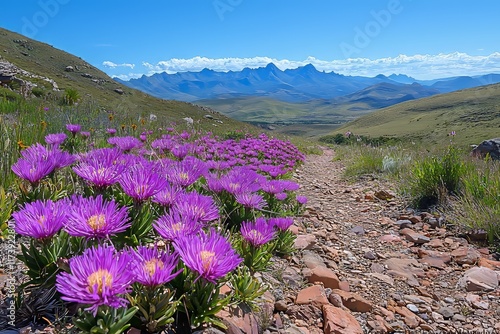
(293, 85)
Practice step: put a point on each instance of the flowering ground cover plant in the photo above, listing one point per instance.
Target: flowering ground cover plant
(145, 231)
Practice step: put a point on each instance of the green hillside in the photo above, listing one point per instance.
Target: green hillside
(474, 115)
(43, 60)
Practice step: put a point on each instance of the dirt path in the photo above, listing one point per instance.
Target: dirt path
(393, 270)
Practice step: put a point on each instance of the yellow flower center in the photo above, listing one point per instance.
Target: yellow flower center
(207, 258)
(101, 278)
(151, 265)
(97, 222)
(177, 227)
(42, 220)
(254, 234)
(184, 176)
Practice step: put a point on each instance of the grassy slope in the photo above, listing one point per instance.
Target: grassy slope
(266, 110)
(473, 113)
(45, 60)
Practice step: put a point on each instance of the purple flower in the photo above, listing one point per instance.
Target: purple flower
(36, 163)
(282, 223)
(185, 172)
(85, 134)
(250, 200)
(168, 195)
(100, 276)
(301, 199)
(181, 151)
(111, 131)
(94, 217)
(74, 128)
(281, 196)
(289, 185)
(163, 144)
(210, 255)
(141, 181)
(40, 219)
(258, 233)
(55, 139)
(273, 186)
(152, 267)
(33, 170)
(172, 226)
(240, 180)
(197, 207)
(62, 158)
(101, 167)
(126, 143)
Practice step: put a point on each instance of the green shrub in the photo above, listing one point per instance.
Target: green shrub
(361, 159)
(71, 96)
(432, 179)
(8, 95)
(368, 161)
(478, 205)
(38, 92)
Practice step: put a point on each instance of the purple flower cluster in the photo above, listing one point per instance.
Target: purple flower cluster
(185, 188)
(37, 162)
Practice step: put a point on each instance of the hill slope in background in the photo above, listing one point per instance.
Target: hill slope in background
(473, 114)
(37, 60)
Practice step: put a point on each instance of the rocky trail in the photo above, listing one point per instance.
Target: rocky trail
(367, 265)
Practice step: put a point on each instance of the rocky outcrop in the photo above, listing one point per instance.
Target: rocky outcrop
(490, 147)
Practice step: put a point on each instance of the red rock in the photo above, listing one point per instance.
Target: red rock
(240, 320)
(465, 255)
(386, 221)
(344, 286)
(407, 268)
(414, 237)
(479, 279)
(490, 264)
(435, 243)
(410, 319)
(324, 275)
(477, 301)
(305, 241)
(415, 219)
(225, 289)
(338, 321)
(378, 325)
(353, 301)
(389, 238)
(294, 229)
(434, 258)
(312, 295)
(388, 315)
(384, 278)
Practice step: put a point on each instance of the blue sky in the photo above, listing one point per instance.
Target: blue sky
(422, 38)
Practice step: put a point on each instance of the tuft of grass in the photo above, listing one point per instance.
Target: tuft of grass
(478, 204)
(434, 178)
(382, 161)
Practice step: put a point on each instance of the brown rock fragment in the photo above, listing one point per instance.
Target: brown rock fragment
(338, 321)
